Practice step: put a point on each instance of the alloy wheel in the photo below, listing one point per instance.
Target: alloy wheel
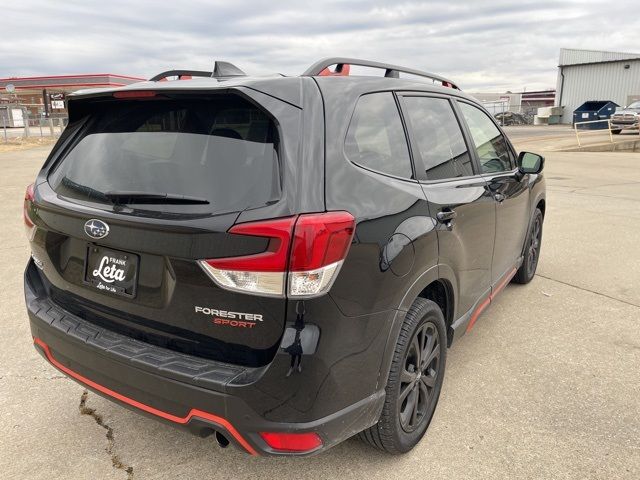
(418, 377)
(534, 246)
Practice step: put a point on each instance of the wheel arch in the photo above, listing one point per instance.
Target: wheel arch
(440, 292)
(437, 284)
(539, 203)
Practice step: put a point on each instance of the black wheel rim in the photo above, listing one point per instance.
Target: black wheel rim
(419, 377)
(533, 252)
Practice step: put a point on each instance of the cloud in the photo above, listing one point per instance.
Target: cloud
(495, 45)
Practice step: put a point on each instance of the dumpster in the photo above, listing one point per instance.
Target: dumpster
(594, 110)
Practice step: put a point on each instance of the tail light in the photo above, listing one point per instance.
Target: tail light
(292, 442)
(320, 244)
(304, 256)
(29, 226)
(263, 273)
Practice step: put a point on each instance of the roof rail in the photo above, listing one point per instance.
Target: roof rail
(220, 70)
(391, 71)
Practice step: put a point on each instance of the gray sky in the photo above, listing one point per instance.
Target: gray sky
(482, 45)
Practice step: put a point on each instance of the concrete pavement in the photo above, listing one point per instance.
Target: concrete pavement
(563, 138)
(545, 386)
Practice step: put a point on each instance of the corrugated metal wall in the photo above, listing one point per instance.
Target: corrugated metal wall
(598, 81)
(569, 56)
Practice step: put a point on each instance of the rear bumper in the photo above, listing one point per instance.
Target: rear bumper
(199, 395)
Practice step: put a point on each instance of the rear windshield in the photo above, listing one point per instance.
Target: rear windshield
(208, 156)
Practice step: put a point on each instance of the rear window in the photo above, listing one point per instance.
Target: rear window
(210, 155)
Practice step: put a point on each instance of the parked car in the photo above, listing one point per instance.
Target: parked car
(281, 262)
(627, 118)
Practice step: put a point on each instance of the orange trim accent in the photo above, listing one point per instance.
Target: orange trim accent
(477, 312)
(154, 411)
(495, 291)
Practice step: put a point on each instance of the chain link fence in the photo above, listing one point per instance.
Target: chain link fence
(16, 122)
(29, 125)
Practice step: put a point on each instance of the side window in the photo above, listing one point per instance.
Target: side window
(493, 151)
(438, 137)
(376, 138)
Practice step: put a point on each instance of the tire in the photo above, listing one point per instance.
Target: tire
(399, 429)
(616, 132)
(533, 244)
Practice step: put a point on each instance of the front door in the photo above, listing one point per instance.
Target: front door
(509, 188)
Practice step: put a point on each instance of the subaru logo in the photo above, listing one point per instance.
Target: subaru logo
(96, 228)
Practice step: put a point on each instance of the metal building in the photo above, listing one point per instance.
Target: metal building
(518, 102)
(585, 75)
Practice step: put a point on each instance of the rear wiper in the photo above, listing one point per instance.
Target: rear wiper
(125, 197)
(92, 193)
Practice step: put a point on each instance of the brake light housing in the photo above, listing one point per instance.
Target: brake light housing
(29, 226)
(133, 94)
(302, 259)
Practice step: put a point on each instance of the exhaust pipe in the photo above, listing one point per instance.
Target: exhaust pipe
(223, 442)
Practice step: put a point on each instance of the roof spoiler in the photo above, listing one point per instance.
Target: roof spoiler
(321, 68)
(220, 70)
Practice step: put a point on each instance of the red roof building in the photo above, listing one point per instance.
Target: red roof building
(46, 95)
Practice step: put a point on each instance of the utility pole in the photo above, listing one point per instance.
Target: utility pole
(45, 100)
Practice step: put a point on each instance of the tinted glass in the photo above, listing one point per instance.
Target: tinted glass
(376, 138)
(222, 151)
(438, 137)
(493, 152)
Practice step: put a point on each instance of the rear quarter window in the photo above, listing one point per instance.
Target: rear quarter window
(375, 139)
(222, 149)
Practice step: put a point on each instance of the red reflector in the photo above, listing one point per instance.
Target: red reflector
(321, 239)
(135, 94)
(292, 442)
(274, 259)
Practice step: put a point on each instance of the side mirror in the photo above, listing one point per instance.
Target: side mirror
(530, 162)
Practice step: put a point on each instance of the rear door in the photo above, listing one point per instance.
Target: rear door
(147, 188)
(459, 198)
(497, 162)
(370, 174)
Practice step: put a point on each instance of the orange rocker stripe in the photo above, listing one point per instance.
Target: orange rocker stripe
(490, 298)
(118, 396)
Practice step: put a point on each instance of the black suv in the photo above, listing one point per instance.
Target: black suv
(281, 262)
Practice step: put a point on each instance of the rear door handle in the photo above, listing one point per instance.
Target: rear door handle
(446, 215)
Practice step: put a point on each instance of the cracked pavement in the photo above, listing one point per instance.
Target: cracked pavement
(545, 386)
(115, 460)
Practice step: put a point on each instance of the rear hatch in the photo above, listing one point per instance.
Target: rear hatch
(140, 190)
